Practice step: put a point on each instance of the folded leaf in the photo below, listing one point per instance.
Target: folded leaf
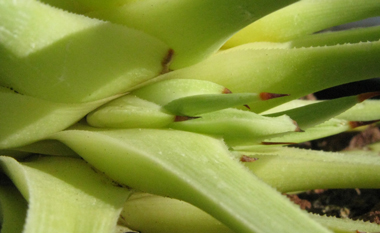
(65, 195)
(25, 119)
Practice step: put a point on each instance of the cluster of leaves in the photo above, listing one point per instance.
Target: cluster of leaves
(108, 108)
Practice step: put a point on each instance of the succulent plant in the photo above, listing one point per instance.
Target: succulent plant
(176, 116)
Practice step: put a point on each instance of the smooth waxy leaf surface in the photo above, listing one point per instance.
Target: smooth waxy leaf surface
(63, 57)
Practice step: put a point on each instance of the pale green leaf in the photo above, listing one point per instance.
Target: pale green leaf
(190, 167)
(297, 72)
(65, 195)
(293, 169)
(25, 119)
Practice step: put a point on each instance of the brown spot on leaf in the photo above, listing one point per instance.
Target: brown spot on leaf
(368, 95)
(184, 118)
(355, 124)
(245, 158)
(278, 143)
(268, 96)
(166, 61)
(309, 97)
(298, 129)
(226, 91)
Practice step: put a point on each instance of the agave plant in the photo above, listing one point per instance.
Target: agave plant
(175, 116)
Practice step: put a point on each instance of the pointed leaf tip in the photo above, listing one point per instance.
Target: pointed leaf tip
(298, 129)
(355, 124)
(278, 143)
(268, 96)
(368, 95)
(166, 61)
(226, 91)
(184, 118)
(245, 158)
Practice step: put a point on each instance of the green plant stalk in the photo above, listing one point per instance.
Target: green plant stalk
(194, 29)
(65, 194)
(297, 72)
(292, 169)
(64, 57)
(13, 209)
(191, 167)
(312, 16)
